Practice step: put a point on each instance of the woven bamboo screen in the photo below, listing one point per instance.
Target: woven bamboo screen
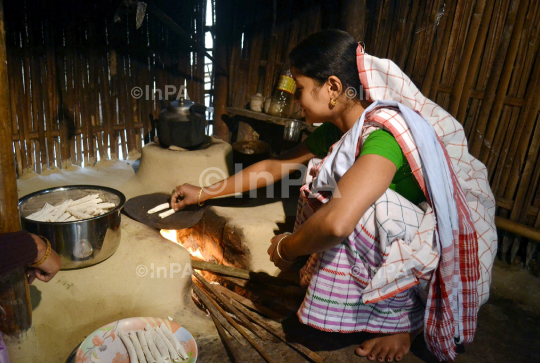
(72, 70)
(477, 59)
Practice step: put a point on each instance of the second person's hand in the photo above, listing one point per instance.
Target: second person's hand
(184, 195)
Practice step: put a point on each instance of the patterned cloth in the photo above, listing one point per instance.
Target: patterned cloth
(446, 315)
(384, 80)
(364, 283)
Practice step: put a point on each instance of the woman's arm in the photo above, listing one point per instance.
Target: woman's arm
(364, 183)
(24, 249)
(258, 175)
(17, 249)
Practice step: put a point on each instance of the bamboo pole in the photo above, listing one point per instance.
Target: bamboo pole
(511, 174)
(465, 62)
(425, 43)
(435, 54)
(474, 60)
(14, 291)
(475, 144)
(520, 208)
(523, 71)
(437, 72)
(409, 57)
(517, 228)
(504, 81)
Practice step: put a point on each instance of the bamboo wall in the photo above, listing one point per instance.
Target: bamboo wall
(477, 59)
(72, 70)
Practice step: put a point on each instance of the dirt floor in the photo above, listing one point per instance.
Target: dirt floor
(508, 331)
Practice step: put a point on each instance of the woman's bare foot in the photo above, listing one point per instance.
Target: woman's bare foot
(387, 347)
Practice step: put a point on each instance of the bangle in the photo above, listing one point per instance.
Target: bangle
(199, 198)
(277, 249)
(46, 256)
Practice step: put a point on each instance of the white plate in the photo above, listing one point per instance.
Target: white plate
(105, 346)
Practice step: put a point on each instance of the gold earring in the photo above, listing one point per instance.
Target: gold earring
(332, 102)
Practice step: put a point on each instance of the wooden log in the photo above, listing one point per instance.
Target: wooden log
(226, 340)
(231, 308)
(240, 273)
(314, 357)
(255, 345)
(504, 81)
(14, 291)
(215, 312)
(250, 304)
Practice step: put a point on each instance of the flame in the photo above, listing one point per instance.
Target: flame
(170, 234)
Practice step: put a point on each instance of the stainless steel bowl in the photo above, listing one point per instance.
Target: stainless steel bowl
(79, 243)
(292, 130)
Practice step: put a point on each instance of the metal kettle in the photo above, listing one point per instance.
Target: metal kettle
(181, 123)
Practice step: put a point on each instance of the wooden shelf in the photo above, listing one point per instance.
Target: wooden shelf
(260, 116)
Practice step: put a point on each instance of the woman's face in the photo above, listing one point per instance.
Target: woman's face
(313, 100)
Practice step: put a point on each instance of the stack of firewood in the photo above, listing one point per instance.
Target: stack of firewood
(221, 303)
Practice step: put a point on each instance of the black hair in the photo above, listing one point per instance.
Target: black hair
(328, 53)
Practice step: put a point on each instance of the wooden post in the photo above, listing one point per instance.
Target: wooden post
(14, 292)
(221, 82)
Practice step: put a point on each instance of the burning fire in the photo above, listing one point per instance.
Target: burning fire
(170, 234)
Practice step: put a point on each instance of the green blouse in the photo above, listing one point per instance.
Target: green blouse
(379, 142)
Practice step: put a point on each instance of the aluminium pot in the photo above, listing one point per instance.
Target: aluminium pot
(78, 243)
(182, 123)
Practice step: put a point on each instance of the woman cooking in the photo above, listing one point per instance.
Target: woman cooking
(398, 218)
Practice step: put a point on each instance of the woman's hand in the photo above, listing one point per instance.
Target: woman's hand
(48, 269)
(184, 195)
(284, 262)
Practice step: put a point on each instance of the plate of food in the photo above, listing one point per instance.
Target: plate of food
(136, 340)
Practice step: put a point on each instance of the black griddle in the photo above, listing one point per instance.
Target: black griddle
(137, 208)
